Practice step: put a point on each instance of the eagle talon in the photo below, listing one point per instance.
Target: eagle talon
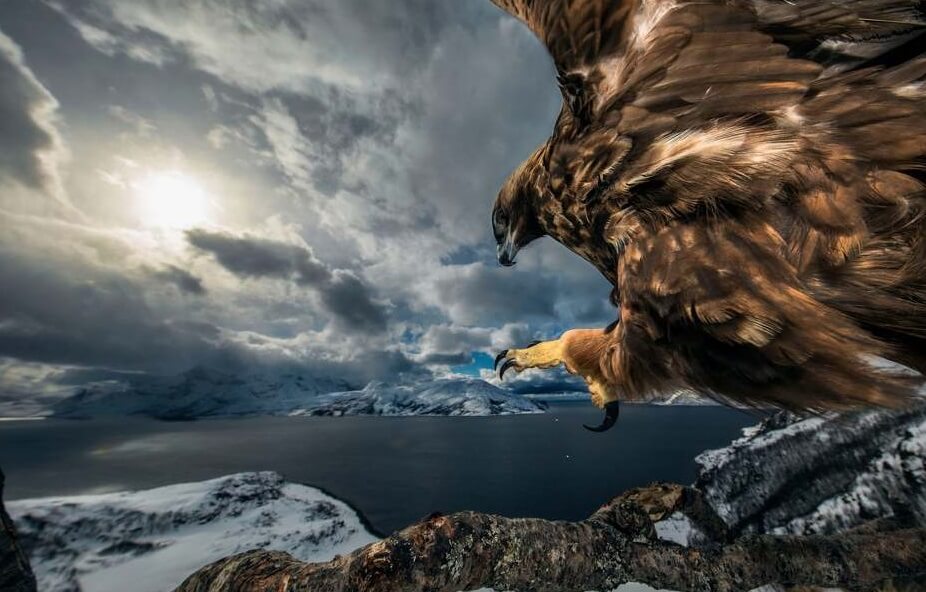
(509, 363)
(612, 411)
(501, 356)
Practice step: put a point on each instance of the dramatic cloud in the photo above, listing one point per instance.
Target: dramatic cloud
(348, 150)
(29, 143)
(93, 317)
(341, 292)
(268, 45)
(181, 278)
(477, 294)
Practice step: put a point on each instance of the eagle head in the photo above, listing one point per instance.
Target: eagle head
(515, 216)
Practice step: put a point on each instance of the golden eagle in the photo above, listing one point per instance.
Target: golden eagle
(749, 176)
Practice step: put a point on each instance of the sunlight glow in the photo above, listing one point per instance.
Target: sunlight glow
(170, 199)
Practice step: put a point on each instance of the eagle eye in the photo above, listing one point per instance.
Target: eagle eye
(499, 224)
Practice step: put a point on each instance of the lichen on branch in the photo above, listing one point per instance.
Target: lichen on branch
(617, 544)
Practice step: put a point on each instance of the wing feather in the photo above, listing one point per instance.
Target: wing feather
(618, 45)
(728, 153)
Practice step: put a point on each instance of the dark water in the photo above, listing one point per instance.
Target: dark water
(394, 470)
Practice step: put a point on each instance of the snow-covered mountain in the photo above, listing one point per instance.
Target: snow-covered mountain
(204, 392)
(154, 539)
(456, 396)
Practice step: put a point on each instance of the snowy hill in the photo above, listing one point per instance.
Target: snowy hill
(458, 396)
(209, 393)
(156, 538)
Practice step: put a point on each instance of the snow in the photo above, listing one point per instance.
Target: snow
(761, 436)
(685, 397)
(459, 396)
(852, 468)
(679, 529)
(204, 392)
(901, 467)
(156, 538)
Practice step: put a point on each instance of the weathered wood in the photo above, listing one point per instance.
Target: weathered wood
(15, 573)
(617, 544)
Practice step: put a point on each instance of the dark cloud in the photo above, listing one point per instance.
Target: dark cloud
(181, 278)
(349, 299)
(343, 294)
(377, 133)
(92, 318)
(457, 359)
(255, 257)
(28, 141)
(478, 294)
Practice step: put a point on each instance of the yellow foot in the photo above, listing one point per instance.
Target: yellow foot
(539, 354)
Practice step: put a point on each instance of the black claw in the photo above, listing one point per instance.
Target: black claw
(533, 343)
(501, 356)
(612, 411)
(508, 364)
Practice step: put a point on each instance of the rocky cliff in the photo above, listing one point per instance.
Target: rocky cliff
(820, 475)
(15, 573)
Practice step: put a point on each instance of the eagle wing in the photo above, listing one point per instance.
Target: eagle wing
(681, 122)
(635, 71)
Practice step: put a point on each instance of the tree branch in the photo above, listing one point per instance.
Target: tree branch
(617, 544)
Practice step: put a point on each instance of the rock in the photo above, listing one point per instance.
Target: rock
(820, 474)
(15, 572)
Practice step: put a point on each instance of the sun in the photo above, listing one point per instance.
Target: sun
(170, 199)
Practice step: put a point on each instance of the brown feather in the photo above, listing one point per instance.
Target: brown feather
(749, 176)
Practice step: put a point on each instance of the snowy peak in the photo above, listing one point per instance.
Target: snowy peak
(457, 396)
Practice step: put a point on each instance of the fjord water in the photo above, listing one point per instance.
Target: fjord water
(394, 470)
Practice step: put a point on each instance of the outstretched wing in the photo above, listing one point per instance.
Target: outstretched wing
(636, 71)
(635, 43)
(682, 120)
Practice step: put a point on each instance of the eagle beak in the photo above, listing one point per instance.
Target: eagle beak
(507, 251)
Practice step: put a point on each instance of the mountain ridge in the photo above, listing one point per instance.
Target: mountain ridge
(203, 392)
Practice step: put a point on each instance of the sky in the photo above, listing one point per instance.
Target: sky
(260, 184)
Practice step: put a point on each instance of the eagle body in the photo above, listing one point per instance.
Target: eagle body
(749, 176)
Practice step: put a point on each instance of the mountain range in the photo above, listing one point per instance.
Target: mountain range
(204, 392)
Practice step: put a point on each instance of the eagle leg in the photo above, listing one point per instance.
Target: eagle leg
(580, 350)
(539, 354)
